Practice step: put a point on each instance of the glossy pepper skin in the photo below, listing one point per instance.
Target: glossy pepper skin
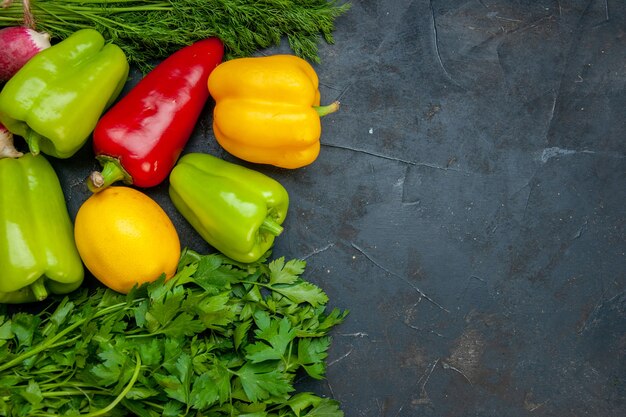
(140, 138)
(267, 110)
(56, 99)
(237, 210)
(38, 255)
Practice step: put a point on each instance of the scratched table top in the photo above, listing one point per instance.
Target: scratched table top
(467, 207)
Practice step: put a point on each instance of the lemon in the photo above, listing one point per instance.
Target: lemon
(125, 238)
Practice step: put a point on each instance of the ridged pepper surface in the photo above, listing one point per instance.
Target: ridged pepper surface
(235, 209)
(267, 110)
(38, 255)
(55, 100)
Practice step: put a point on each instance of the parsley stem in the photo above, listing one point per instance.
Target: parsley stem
(122, 394)
(287, 358)
(112, 404)
(65, 342)
(268, 286)
(50, 342)
(75, 392)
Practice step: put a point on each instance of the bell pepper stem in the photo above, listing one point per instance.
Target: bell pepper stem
(39, 289)
(271, 226)
(111, 172)
(327, 109)
(32, 139)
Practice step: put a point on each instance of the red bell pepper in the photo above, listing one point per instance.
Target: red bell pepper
(140, 138)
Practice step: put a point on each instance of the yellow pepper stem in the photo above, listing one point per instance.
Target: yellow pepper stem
(271, 226)
(327, 109)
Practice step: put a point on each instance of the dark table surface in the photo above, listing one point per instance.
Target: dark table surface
(467, 207)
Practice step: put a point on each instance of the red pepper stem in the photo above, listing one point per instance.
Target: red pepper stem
(111, 172)
(271, 226)
(39, 289)
(327, 109)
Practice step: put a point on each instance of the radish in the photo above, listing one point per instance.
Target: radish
(7, 149)
(18, 44)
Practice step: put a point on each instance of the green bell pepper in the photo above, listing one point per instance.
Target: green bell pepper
(55, 100)
(237, 210)
(37, 250)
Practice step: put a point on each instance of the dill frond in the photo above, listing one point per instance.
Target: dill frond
(150, 30)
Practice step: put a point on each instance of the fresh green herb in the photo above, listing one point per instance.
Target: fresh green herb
(218, 339)
(153, 29)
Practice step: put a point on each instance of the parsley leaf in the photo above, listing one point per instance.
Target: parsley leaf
(277, 334)
(302, 292)
(260, 382)
(309, 405)
(312, 353)
(285, 273)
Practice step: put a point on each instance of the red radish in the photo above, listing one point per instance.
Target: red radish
(7, 150)
(18, 44)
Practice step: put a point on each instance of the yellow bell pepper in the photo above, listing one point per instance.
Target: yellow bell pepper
(267, 110)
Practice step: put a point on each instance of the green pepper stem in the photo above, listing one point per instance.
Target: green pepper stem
(32, 139)
(328, 109)
(111, 172)
(39, 289)
(271, 226)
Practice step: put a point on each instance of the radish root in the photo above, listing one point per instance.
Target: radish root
(7, 148)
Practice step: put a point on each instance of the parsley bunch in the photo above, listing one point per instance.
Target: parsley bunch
(218, 339)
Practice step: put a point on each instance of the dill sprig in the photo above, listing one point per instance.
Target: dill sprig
(150, 30)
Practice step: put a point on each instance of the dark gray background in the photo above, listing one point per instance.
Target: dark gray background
(467, 207)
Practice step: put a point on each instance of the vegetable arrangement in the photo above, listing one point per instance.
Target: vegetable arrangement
(169, 332)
